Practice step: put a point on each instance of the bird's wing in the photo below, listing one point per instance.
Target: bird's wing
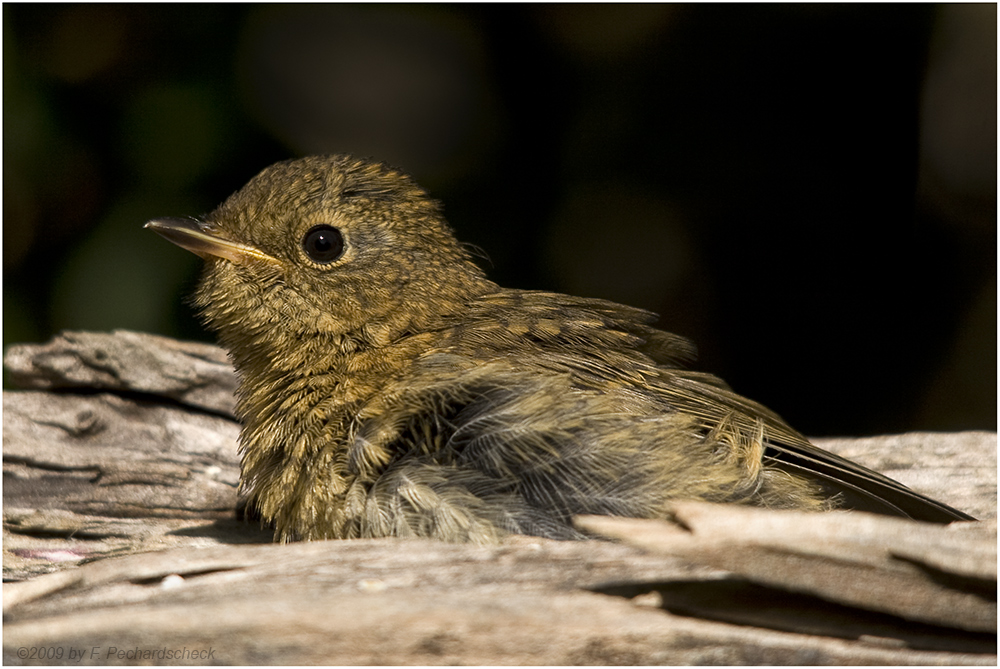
(859, 487)
(607, 345)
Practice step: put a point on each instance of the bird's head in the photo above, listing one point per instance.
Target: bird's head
(328, 246)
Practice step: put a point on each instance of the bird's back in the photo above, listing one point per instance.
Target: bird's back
(541, 406)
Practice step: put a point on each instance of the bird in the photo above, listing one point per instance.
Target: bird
(388, 388)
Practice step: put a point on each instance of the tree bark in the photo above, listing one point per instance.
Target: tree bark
(121, 546)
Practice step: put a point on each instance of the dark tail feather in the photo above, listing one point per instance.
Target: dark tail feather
(862, 489)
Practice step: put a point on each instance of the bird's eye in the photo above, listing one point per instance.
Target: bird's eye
(323, 244)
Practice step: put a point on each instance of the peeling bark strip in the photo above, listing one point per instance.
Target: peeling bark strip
(864, 561)
(124, 446)
(194, 374)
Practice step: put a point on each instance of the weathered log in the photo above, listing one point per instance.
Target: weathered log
(869, 562)
(120, 478)
(195, 374)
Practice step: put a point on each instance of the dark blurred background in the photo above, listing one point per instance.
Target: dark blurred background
(808, 192)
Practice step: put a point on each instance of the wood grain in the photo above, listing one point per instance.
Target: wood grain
(120, 480)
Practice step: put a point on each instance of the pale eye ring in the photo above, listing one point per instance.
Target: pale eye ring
(323, 244)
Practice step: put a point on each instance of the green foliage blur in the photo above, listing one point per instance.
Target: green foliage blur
(807, 191)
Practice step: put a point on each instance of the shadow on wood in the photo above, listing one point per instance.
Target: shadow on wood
(120, 544)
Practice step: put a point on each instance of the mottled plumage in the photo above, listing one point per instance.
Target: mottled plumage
(387, 388)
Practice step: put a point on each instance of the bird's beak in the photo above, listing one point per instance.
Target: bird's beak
(203, 241)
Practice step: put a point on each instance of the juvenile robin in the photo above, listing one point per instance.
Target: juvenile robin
(388, 388)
